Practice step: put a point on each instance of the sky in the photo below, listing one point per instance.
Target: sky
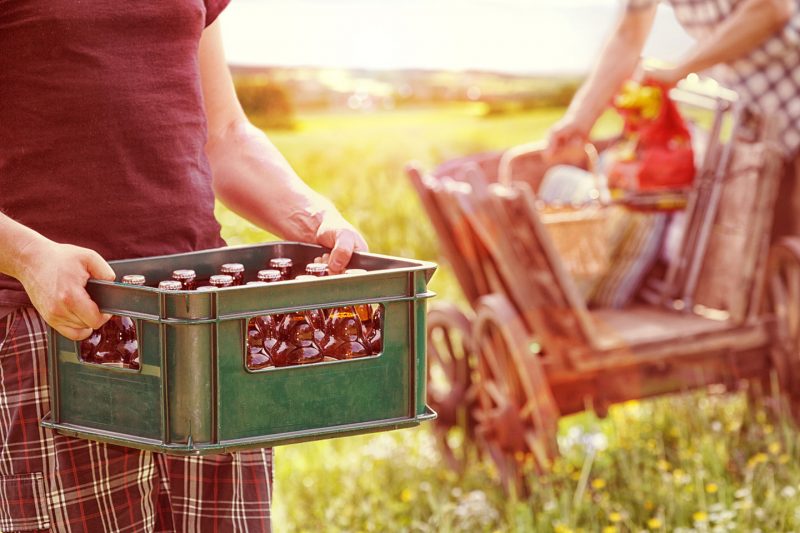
(516, 36)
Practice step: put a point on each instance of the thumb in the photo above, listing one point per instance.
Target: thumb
(341, 252)
(98, 268)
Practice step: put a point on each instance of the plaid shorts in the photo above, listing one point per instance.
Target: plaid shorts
(49, 482)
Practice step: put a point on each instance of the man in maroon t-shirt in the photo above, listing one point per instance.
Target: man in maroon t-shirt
(119, 125)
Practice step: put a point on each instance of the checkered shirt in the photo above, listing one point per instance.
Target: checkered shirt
(768, 76)
(50, 482)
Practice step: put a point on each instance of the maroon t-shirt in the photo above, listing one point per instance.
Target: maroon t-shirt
(102, 126)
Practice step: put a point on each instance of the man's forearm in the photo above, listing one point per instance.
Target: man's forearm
(753, 22)
(16, 241)
(255, 181)
(617, 61)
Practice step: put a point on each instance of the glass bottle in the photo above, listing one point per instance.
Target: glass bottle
(317, 269)
(283, 265)
(270, 275)
(170, 285)
(133, 279)
(220, 281)
(235, 270)
(187, 277)
(297, 343)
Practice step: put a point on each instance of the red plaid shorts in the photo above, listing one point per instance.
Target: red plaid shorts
(49, 482)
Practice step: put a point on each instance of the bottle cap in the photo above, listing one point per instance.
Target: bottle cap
(133, 279)
(184, 273)
(269, 275)
(355, 271)
(305, 277)
(232, 268)
(317, 269)
(170, 285)
(205, 288)
(256, 283)
(280, 262)
(221, 280)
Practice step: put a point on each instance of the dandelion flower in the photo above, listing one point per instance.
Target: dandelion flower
(654, 523)
(711, 488)
(700, 516)
(407, 495)
(614, 517)
(774, 448)
(610, 529)
(664, 465)
(599, 484)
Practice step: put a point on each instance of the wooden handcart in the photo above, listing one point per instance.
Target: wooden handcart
(726, 310)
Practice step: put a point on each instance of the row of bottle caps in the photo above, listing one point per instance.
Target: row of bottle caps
(232, 275)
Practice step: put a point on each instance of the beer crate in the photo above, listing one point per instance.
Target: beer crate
(193, 393)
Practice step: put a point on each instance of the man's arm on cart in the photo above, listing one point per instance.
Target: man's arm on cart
(253, 179)
(618, 60)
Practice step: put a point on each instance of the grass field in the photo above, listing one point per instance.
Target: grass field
(697, 462)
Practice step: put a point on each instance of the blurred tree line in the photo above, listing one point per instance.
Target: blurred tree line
(267, 102)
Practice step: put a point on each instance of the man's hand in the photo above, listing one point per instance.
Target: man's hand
(567, 140)
(55, 276)
(336, 233)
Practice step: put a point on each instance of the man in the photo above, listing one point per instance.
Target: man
(118, 125)
(753, 47)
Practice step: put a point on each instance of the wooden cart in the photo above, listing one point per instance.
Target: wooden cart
(530, 351)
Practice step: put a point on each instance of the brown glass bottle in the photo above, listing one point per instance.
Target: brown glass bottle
(187, 278)
(375, 336)
(133, 279)
(234, 270)
(170, 285)
(262, 333)
(297, 343)
(283, 265)
(345, 338)
(220, 281)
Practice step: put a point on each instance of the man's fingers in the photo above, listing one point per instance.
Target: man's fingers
(97, 267)
(87, 312)
(75, 334)
(342, 251)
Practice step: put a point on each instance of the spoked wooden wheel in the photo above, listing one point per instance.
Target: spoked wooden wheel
(784, 297)
(516, 414)
(450, 389)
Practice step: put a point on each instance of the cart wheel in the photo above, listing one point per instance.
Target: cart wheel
(450, 389)
(516, 414)
(784, 299)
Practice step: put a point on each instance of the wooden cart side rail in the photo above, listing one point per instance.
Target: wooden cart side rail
(424, 185)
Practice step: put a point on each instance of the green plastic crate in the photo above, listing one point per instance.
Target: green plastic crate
(194, 394)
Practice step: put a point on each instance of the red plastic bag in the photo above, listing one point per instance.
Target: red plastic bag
(661, 156)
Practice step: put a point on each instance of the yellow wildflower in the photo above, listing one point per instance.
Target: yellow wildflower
(757, 459)
(599, 484)
(649, 505)
(664, 465)
(774, 448)
(654, 523)
(768, 429)
(784, 458)
(407, 495)
(614, 517)
(711, 488)
(575, 476)
(700, 516)
(561, 528)
(610, 529)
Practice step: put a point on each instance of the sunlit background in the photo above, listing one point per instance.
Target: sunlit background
(519, 36)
